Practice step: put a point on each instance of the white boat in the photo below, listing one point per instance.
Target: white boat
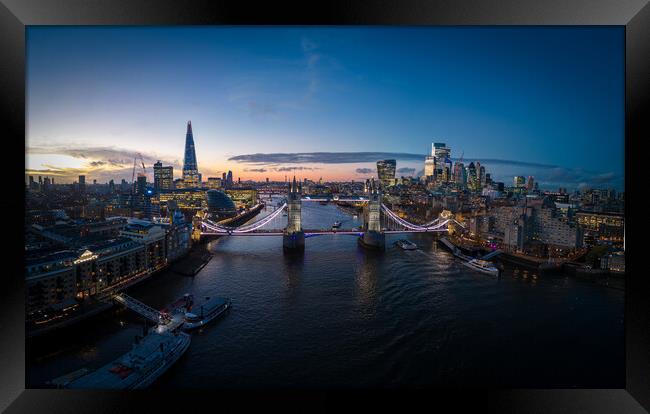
(406, 244)
(148, 360)
(482, 266)
(203, 314)
(336, 224)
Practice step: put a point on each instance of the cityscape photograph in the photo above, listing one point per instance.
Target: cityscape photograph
(324, 207)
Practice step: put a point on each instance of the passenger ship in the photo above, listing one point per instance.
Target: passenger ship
(482, 266)
(140, 367)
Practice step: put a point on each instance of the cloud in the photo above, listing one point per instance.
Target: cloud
(357, 157)
(405, 170)
(365, 170)
(102, 156)
(280, 169)
(257, 170)
(322, 157)
(101, 163)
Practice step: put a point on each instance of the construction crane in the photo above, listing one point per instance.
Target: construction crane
(144, 170)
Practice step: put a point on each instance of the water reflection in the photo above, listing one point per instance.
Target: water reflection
(367, 269)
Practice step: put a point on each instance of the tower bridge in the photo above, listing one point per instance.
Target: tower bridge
(379, 220)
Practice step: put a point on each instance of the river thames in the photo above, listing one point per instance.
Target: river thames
(343, 317)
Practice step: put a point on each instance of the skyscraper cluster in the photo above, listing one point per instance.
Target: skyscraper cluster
(439, 170)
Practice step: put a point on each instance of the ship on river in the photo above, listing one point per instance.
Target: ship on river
(139, 368)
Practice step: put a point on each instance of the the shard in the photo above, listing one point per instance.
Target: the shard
(190, 167)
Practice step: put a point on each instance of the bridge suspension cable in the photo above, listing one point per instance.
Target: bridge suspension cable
(416, 227)
(215, 227)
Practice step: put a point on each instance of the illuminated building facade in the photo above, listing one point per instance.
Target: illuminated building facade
(163, 177)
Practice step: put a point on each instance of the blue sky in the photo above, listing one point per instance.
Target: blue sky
(546, 101)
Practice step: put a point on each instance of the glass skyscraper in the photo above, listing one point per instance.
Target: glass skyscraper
(190, 167)
(386, 172)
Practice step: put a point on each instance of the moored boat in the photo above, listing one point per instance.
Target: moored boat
(140, 367)
(482, 266)
(202, 314)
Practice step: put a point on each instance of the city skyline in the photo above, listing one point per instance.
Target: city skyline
(327, 102)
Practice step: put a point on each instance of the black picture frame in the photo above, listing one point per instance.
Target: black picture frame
(16, 14)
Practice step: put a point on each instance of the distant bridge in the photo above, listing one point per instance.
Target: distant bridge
(378, 218)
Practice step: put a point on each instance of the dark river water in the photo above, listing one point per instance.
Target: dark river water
(342, 317)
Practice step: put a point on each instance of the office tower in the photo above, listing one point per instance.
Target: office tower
(429, 167)
(441, 151)
(163, 177)
(82, 183)
(472, 177)
(530, 185)
(386, 172)
(190, 167)
(267, 180)
(141, 186)
(32, 183)
(223, 178)
(519, 181)
(40, 182)
(124, 186)
(111, 187)
(460, 174)
(229, 179)
(482, 178)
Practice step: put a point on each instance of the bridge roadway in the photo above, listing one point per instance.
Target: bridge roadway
(316, 232)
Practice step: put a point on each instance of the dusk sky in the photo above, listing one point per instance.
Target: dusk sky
(322, 102)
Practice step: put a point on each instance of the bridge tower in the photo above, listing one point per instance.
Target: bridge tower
(294, 238)
(373, 237)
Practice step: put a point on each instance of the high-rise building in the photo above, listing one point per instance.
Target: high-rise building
(472, 177)
(441, 151)
(141, 187)
(519, 181)
(82, 183)
(163, 177)
(111, 187)
(386, 172)
(32, 183)
(190, 167)
(429, 167)
(229, 179)
(460, 176)
(530, 185)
